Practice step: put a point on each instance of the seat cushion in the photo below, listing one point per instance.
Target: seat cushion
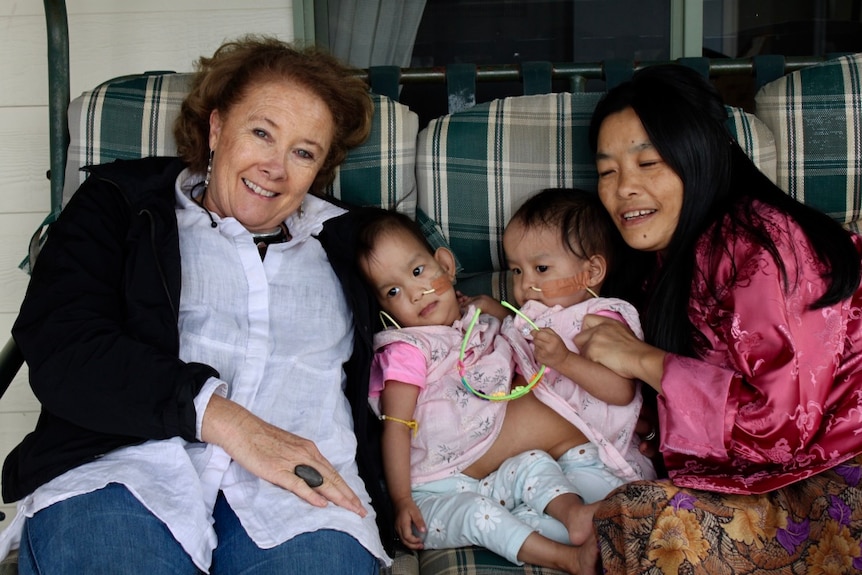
(815, 115)
(474, 561)
(133, 116)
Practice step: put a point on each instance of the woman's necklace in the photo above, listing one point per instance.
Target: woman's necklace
(280, 235)
(519, 390)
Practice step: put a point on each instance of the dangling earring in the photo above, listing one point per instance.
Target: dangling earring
(209, 170)
(301, 209)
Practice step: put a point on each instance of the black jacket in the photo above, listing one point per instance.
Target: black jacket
(98, 329)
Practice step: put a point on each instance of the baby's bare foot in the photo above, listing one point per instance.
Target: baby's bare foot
(579, 522)
(588, 555)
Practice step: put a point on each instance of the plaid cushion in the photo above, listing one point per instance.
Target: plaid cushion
(473, 561)
(474, 168)
(132, 117)
(815, 115)
(755, 138)
(125, 118)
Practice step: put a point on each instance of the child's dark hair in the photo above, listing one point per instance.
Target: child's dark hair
(584, 224)
(374, 222)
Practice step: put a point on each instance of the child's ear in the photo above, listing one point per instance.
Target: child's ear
(446, 259)
(598, 270)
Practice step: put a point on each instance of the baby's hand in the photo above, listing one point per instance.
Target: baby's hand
(484, 302)
(407, 515)
(549, 348)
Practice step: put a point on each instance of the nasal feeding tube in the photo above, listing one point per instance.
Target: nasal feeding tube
(440, 284)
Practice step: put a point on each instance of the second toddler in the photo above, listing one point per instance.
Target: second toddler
(558, 247)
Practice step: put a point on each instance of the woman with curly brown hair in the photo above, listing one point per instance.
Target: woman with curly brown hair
(201, 368)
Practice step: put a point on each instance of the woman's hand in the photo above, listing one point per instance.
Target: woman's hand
(612, 344)
(272, 454)
(408, 516)
(646, 429)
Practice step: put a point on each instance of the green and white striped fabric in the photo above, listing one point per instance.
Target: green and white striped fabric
(755, 138)
(125, 118)
(815, 115)
(132, 117)
(474, 168)
(474, 561)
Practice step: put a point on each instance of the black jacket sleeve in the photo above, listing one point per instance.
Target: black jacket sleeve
(98, 325)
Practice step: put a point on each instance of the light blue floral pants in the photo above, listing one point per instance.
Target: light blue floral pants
(500, 511)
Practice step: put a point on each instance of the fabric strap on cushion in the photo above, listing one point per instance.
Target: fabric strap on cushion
(767, 67)
(700, 65)
(537, 77)
(617, 71)
(385, 80)
(815, 115)
(461, 86)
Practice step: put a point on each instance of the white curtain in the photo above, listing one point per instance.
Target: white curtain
(367, 33)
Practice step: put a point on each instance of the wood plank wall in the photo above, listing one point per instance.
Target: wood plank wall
(107, 38)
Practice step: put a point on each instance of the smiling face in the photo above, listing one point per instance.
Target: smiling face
(638, 188)
(402, 274)
(267, 150)
(539, 261)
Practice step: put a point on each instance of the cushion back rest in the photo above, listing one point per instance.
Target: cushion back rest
(815, 115)
(132, 117)
(476, 167)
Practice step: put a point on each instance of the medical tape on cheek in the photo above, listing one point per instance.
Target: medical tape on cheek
(565, 286)
(441, 284)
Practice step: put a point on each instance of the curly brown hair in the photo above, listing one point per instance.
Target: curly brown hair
(237, 66)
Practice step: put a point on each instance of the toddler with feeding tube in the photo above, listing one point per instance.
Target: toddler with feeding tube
(558, 247)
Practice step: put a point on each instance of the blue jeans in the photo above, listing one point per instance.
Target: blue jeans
(109, 532)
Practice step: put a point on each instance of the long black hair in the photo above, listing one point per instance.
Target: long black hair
(685, 119)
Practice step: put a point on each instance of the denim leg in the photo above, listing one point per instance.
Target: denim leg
(326, 551)
(105, 532)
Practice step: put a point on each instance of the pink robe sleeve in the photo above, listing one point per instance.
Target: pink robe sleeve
(762, 394)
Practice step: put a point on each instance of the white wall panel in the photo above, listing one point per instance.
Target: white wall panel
(24, 160)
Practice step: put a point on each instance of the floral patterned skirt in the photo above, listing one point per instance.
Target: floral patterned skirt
(812, 527)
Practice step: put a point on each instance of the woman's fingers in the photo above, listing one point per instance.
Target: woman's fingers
(291, 452)
(273, 454)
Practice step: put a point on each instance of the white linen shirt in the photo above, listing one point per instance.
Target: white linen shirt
(278, 332)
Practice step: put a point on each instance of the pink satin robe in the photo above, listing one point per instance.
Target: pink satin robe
(779, 396)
